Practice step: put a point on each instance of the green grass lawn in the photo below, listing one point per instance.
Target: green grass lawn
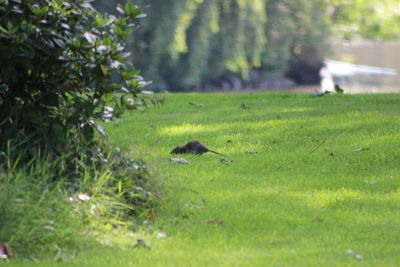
(305, 199)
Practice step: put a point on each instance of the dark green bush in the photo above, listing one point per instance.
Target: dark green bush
(63, 66)
(63, 69)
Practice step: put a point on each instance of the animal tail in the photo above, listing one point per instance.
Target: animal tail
(215, 152)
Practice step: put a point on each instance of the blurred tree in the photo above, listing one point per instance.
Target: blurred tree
(371, 19)
(187, 44)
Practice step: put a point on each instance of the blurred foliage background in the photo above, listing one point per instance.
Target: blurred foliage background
(230, 44)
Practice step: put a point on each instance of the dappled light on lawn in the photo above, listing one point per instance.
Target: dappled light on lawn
(289, 189)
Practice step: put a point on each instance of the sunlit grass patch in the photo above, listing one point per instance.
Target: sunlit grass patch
(305, 190)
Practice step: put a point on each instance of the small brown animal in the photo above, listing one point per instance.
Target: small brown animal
(192, 147)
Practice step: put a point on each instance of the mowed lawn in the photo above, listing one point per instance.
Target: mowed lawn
(322, 189)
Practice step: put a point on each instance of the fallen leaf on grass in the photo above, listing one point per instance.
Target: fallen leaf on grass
(80, 197)
(226, 162)
(271, 242)
(161, 235)
(179, 160)
(216, 221)
(140, 243)
(5, 251)
(84, 197)
(358, 256)
(150, 216)
(361, 149)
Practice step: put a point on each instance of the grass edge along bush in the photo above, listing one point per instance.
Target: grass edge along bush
(66, 69)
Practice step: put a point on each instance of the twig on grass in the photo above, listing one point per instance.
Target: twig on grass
(317, 147)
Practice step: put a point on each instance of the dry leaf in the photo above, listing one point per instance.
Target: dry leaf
(358, 256)
(179, 160)
(150, 216)
(161, 235)
(5, 251)
(80, 197)
(226, 162)
(216, 221)
(83, 197)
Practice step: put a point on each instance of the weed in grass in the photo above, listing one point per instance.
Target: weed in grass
(36, 216)
(43, 212)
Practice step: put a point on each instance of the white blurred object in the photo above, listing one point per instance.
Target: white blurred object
(161, 235)
(327, 83)
(341, 68)
(80, 197)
